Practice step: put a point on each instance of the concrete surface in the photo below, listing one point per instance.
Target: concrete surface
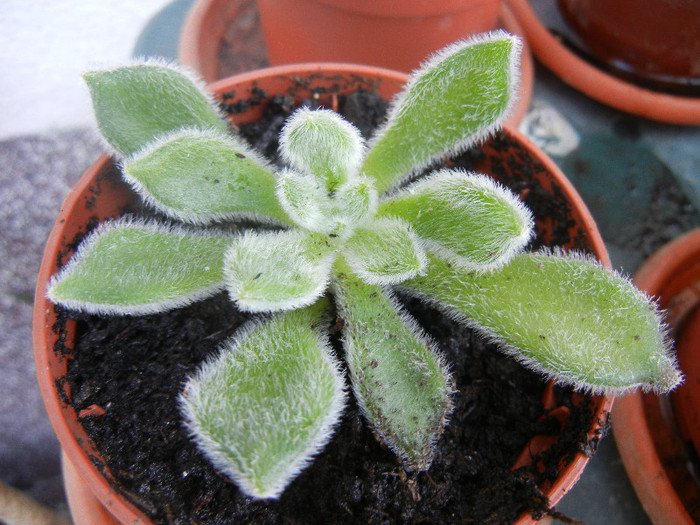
(36, 173)
(46, 142)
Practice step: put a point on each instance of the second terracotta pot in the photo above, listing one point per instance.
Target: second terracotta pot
(659, 436)
(387, 33)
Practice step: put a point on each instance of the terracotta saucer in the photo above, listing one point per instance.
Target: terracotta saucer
(598, 84)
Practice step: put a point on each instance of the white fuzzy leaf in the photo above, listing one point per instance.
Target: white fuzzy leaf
(272, 271)
(562, 315)
(268, 403)
(385, 252)
(356, 200)
(132, 267)
(135, 104)
(201, 176)
(455, 100)
(468, 219)
(398, 379)
(321, 143)
(306, 201)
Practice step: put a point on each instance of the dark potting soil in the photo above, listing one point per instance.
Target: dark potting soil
(133, 369)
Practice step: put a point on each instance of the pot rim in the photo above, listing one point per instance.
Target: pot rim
(597, 84)
(72, 436)
(68, 430)
(411, 8)
(631, 427)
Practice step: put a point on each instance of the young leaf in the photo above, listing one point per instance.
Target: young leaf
(268, 403)
(356, 200)
(132, 268)
(460, 96)
(135, 104)
(385, 252)
(321, 143)
(563, 315)
(306, 201)
(468, 219)
(272, 271)
(200, 176)
(399, 381)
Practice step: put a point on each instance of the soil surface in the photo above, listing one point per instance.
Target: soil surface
(126, 374)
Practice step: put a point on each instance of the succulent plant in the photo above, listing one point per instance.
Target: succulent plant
(342, 226)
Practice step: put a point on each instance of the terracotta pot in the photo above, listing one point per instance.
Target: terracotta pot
(205, 42)
(597, 83)
(654, 40)
(101, 194)
(659, 436)
(387, 33)
(221, 38)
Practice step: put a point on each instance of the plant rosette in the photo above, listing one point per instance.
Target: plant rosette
(276, 386)
(659, 436)
(88, 487)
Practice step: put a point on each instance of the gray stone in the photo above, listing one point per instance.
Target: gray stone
(36, 173)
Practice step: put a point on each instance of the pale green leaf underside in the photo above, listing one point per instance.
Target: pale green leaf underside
(356, 200)
(268, 403)
(136, 268)
(384, 252)
(323, 144)
(306, 201)
(135, 104)
(312, 206)
(565, 316)
(272, 271)
(199, 176)
(466, 218)
(453, 101)
(395, 373)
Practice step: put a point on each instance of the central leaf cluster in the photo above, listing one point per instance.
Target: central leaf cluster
(335, 208)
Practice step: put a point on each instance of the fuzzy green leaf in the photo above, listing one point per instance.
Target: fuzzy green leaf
(399, 380)
(313, 207)
(323, 144)
(268, 402)
(468, 219)
(201, 176)
(272, 271)
(356, 200)
(139, 268)
(135, 104)
(306, 201)
(563, 315)
(455, 100)
(385, 252)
